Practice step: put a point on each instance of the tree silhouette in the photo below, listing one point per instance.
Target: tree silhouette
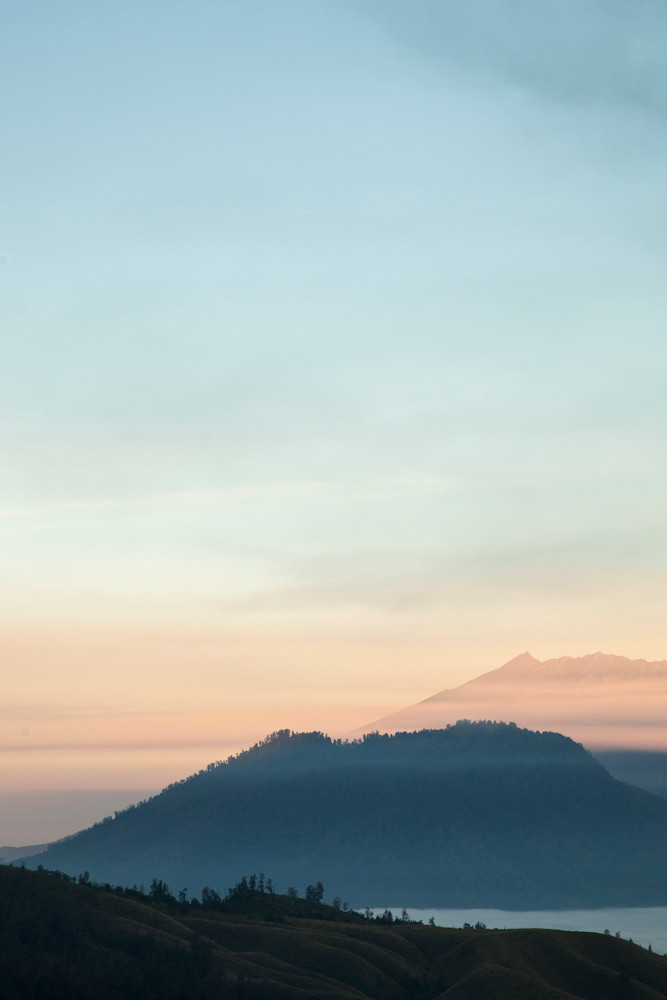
(315, 892)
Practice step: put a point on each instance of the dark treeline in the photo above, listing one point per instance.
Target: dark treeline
(245, 896)
(64, 938)
(464, 745)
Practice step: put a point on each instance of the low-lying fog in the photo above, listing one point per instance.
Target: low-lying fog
(645, 925)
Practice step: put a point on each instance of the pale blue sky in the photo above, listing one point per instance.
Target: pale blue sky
(338, 319)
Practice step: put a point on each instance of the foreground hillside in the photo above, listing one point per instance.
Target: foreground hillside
(59, 939)
(479, 814)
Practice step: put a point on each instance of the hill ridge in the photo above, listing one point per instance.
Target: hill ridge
(79, 941)
(481, 813)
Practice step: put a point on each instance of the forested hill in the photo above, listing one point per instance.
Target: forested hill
(478, 814)
(84, 942)
(466, 744)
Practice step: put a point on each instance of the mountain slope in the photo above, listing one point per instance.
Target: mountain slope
(84, 943)
(9, 854)
(480, 814)
(601, 700)
(643, 768)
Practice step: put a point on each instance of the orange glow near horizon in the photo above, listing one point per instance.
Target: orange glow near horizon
(109, 707)
(133, 751)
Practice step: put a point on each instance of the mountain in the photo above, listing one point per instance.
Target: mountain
(643, 768)
(601, 700)
(86, 943)
(478, 814)
(8, 854)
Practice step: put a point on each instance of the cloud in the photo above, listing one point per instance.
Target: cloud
(525, 566)
(569, 50)
(167, 499)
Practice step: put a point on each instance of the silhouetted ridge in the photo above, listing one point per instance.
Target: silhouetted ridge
(464, 744)
(480, 813)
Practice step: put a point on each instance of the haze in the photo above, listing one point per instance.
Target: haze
(605, 702)
(332, 366)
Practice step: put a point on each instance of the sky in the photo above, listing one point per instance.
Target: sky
(331, 367)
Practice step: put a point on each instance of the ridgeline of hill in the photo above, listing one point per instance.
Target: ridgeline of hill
(479, 814)
(601, 700)
(82, 942)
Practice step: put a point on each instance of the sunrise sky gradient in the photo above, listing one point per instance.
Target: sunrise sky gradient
(332, 368)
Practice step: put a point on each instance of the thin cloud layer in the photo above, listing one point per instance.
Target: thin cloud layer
(577, 50)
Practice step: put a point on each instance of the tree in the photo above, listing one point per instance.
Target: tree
(315, 892)
(209, 897)
(240, 889)
(160, 890)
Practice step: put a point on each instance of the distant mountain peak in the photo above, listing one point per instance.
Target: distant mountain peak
(598, 667)
(522, 665)
(522, 660)
(600, 699)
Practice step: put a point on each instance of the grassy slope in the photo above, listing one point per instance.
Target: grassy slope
(59, 940)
